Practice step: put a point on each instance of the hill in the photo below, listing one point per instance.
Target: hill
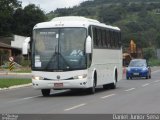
(138, 19)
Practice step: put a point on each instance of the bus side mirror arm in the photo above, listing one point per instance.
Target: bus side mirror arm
(88, 45)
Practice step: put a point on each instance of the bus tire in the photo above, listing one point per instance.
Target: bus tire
(45, 92)
(113, 85)
(106, 86)
(92, 90)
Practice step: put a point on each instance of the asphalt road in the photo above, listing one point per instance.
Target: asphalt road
(131, 96)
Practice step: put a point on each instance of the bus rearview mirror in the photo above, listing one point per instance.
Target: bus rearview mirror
(88, 45)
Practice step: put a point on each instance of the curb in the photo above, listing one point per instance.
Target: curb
(16, 86)
(7, 73)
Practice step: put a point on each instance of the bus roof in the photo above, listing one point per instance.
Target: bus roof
(74, 18)
(72, 21)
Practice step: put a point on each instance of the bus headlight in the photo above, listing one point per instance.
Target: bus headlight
(80, 76)
(37, 78)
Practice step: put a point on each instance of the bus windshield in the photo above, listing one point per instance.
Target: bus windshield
(59, 49)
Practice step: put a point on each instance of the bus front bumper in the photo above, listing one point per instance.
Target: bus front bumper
(60, 84)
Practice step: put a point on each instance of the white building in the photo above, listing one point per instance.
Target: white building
(19, 42)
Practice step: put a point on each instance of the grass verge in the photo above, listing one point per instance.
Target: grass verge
(154, 62)
(5, 83)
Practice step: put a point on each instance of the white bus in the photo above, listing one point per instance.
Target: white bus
(75, 53)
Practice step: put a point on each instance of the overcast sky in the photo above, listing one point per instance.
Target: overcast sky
(51, 5)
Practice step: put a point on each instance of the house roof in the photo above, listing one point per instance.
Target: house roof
(6, 40)
(3, 45)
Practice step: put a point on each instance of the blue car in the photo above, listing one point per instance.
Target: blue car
(138, 68)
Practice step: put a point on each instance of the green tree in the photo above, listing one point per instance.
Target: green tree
(62, 11)
(7, 8)
(18, 22)
(25, 19)
(110, 14)
(149, 53)
(158, 41)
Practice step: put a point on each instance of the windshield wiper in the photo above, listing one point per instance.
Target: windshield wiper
(65, 61)
(53, 57)
(59, 56)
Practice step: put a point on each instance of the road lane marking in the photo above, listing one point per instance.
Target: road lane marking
(156, 71)
(30, 97)
(156, 81)
(145, 85)
(74, 107)
(108, 96)
(129, 89)
(27, 98)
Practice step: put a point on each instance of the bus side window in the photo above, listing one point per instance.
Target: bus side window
(114, 39)
(95, 37)
(113, 33)
(104, 38)
(99, 38)
(119, 39)
(110, 39)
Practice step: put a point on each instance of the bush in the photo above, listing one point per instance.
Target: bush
(149, 53)
(154, 62)
(26, 63)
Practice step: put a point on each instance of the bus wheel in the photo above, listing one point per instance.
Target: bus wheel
(45, 92)
(106, 86)
(113, 85)
(93, 88)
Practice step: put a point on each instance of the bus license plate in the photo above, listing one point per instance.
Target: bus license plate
(58, 85)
